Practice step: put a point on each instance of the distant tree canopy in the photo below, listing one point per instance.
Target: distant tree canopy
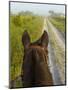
(51, 12)
(22, 13)
(55, 14)
(25, 13)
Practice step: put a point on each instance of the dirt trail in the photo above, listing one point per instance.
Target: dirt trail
(52, 62)
(59, 36)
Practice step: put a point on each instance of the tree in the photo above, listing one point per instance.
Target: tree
(51, 12)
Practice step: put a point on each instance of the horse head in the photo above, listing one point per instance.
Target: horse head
(35, 66)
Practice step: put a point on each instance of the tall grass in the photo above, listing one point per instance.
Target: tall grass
(18, 24)
(59, 23)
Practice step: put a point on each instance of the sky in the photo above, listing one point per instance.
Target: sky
(41, 9)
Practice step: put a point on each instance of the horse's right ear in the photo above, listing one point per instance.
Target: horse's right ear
(25, 39)
(44, 39)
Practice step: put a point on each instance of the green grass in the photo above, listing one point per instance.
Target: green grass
(59, 23)
(18, 24)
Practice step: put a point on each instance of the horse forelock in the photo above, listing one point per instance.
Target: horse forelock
(41, 52)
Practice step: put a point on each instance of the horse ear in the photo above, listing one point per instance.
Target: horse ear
(44, 39)
(25, 39)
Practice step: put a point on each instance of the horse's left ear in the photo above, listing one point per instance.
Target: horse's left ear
(44, 39)
(25, 39)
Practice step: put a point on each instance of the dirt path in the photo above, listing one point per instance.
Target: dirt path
(59, 36)
(52, 59)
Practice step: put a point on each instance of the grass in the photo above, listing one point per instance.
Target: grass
(18, 24)
(59, 23)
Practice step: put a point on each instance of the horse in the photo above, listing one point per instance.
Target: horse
(36, 72)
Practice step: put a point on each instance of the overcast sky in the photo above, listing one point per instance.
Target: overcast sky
(41, 9)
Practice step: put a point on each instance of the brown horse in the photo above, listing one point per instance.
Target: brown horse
(35, 67)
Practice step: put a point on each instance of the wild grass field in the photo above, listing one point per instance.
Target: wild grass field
(18, 24)
(59, 23)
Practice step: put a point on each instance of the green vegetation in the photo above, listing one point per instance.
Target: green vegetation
(18, 24)
(58, 22)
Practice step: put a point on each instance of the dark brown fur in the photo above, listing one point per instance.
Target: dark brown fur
(35, 67)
